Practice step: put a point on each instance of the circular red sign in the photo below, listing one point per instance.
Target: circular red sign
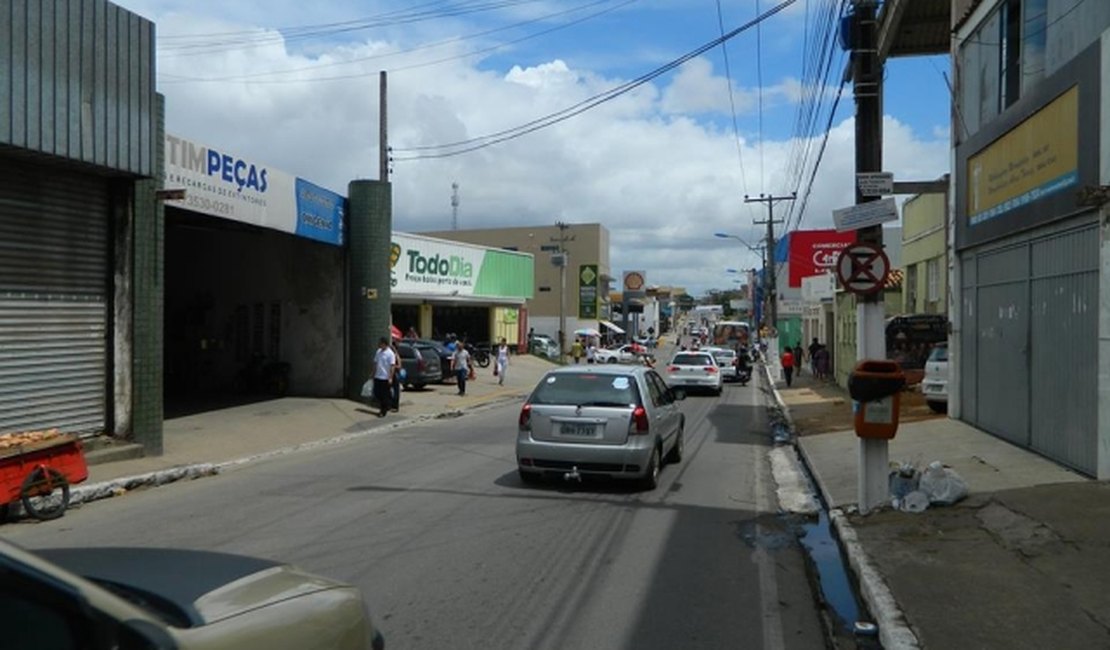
(633, 281)
(862, 268)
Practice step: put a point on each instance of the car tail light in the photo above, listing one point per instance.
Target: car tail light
(712, 370)
(421, 364)
(526, 417)
(639, 423)
(672, 368)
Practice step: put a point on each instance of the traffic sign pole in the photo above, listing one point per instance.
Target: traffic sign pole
(872, 483)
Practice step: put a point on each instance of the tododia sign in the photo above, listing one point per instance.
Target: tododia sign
(814, 252)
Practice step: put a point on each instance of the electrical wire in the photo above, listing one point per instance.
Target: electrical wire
(253, 77)
(481, 142)
(732, 104)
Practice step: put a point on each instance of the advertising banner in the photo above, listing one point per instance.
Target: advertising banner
(814, 252)
(437, 267)
(818, 287)
(587, 291)
(1036, 159)
(221, 184)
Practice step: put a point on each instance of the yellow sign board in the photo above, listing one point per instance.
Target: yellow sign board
(1037, 158)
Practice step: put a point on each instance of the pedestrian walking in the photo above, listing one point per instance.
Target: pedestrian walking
(823, 362)
(461, 365)
(397, 379)
(788, 366)
(798, 357)
(577, 350)
(813, 348)
(384, 362)
(501, 366)
(591, 352)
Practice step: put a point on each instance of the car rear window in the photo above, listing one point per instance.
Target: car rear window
(587, 389)
(939, 353)
(692, 360)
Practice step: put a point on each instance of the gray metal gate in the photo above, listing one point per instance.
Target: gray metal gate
(54, 251)
(1029, 342)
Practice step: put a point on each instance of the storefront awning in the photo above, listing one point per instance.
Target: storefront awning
(605, 323)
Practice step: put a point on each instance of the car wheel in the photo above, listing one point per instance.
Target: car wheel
(419, 386)
(675, 454)
(529, 478)
(612, 360)
(651, 476)
(938, 407)
(717, 392)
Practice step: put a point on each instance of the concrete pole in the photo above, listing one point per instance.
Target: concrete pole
(874, 460)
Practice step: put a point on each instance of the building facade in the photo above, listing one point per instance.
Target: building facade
(1030, 347)
(80, 222)
(925, 254)
(575, 286)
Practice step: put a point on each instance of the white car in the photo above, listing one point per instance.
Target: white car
(622, 354)
(935, 384)
(695, 369)
(726, 359)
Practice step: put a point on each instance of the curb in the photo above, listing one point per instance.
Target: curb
(119, 486)
(894, 630)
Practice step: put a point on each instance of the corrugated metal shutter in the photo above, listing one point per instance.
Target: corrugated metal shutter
(54, 251)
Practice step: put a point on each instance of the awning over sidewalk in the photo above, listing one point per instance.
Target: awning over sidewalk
(605, 323)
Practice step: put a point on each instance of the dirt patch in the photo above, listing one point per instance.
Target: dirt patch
(822, 407)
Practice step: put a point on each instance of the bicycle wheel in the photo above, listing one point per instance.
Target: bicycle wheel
(45, 494)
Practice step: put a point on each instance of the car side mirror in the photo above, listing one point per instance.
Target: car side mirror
(678, 393)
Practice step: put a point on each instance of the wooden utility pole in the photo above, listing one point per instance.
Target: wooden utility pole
(769, 274)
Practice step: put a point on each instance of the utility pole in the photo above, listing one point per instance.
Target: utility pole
(454, 206)
(383, 131)
(562, 262)
(769, 259)
(867, 76)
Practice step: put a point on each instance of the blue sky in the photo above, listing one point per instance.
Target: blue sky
(661, 166)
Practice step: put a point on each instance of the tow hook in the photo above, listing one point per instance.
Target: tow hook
(573, 475)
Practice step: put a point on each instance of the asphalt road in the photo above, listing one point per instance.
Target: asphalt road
(453, 551)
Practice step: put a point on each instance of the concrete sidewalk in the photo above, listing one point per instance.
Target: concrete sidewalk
(1023, 562)
(206, 443)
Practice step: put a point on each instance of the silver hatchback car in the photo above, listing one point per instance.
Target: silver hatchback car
(600, 420)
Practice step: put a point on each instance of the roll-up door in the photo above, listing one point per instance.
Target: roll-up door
(54, 251)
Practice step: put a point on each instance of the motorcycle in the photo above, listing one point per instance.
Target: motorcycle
(743, 368)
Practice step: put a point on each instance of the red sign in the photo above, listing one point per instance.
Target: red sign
(862, 268)
(813, 252)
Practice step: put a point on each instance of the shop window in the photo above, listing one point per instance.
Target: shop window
(258, 328)
(932, 280)
(242, 333)
(274, 342)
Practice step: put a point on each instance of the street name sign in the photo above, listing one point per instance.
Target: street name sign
(875, 183)
(867, 214)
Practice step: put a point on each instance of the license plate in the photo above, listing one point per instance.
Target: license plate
(580, 430)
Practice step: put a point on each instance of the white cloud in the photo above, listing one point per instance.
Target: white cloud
(645, 165)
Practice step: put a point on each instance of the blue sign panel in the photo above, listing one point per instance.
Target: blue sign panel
(320, 213)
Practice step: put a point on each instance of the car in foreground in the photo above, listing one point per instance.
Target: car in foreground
(934, 386)
(695, 369)
(166, 599)
(422, 365)
(611, 421)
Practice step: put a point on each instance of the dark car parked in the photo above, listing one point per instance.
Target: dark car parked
(442, 352)
(422, 365)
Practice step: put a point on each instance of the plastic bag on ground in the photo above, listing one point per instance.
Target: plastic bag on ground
(942, 484)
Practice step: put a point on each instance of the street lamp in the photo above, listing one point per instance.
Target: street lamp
(767, 263)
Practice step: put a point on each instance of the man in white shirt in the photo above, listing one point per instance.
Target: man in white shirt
(384, 362)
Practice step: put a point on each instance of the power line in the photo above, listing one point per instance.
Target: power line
(759, 84)
(253, 78)
(732, 99)
(473, 144)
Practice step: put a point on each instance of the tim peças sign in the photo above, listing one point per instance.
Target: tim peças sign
(423, 265)
(222, 184)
